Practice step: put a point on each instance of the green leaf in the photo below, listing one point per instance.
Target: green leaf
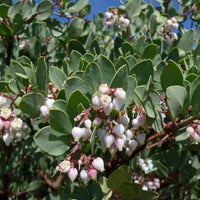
(78, 6)
(122, 174)
(153, 24)
(37, 187)
(17, 23)
(57, 76)
(75, 45)
(31, 75)
(3, 10)
(171, 75)
(30, 104)
(5, 29)
(127, 49)
(130, 190)
(93, 76)
(52, 142)
(74, 61)
(143, 70)
(74, 83)
(27, 9)
(187, 40)
(4, 86)
(76, 98)
(176, 100)
(44, 9)
(41, 73)
(133, 8)
(107, 68)
(122, 75)
(150, 195)
(195, 99)
(16, 8)
(120, 62)
(60, 121)
(150, 51)
(76, 27)
(85, 11)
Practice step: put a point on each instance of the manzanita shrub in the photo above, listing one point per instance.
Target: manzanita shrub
(99, 109)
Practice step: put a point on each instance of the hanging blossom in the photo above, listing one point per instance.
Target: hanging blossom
(123, 132)
(12, 128)
(167, 30)
(193, 132)
(114, 18)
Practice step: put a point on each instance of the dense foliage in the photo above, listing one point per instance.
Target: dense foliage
(97, 109)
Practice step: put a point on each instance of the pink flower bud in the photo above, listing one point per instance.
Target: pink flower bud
(6, 124)
(6, 113)
(1, 124)
(88, 123)
(119, 130)
(77, 133)
(97, 121)
(64, 166)
(98, 164)
(84, 176)
(92, 173)
(142, 120)
(2, 101)
(197, 129)
(72, 174)
(195, 137)
(189, 130)
(108, 140)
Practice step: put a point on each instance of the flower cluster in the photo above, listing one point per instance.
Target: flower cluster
(44, 109)
(113, 18)
(148, 183)
(24, 45)
(168, 33)
(11, 127)
(116, 134)
(146, 165)
(193, 133)
(87, 172)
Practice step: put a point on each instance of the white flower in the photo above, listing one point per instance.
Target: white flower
(77, 133)
(88, 123)
(103, 88)
(108, 140)
(86, 134)
(19, 135)
(126, 22)
(120, 93)
(49, 103)
(119, 142)
(2, 101)
(118, 103)
(133, 144)
(141, 138)
(110, 23)
(136, 123)
(101, 133)
(142, 120)
(124, 120)
(119, 130)
(6, 113)
(109, 15)
(97, 121)
(7, 138)
(105, 100)
(98, 164)
(16, 124)
(84, 176)
(64, 166)
(129, 134)
(44, 111)
(107, 110)
(195, 137)
(72, 174)
(95, 101)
